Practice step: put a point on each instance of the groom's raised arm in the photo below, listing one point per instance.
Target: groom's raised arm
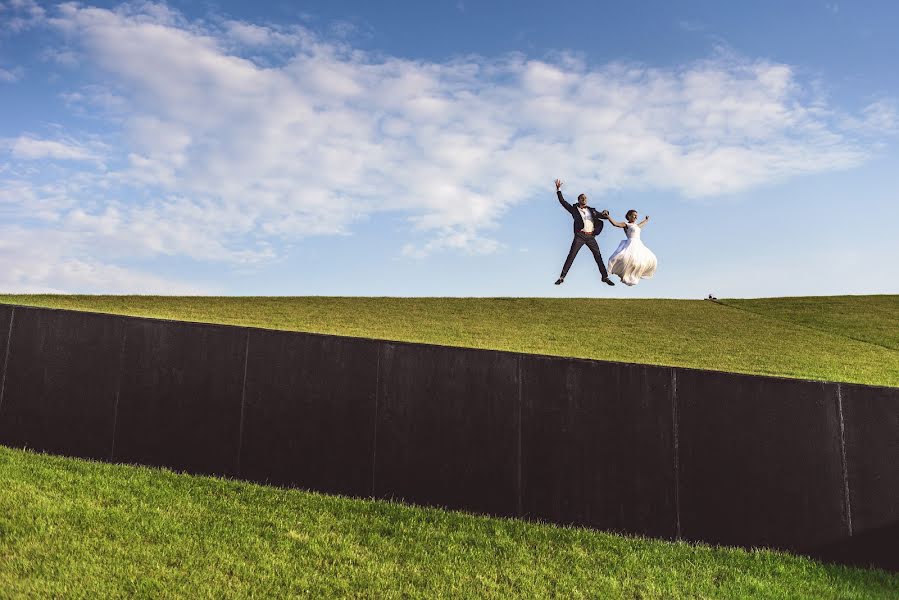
(562, 200)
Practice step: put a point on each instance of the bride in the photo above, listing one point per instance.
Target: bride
(632, 260)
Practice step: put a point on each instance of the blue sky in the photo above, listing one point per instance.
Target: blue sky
(409, 148)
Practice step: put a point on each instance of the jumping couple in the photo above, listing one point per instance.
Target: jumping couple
(632, 260)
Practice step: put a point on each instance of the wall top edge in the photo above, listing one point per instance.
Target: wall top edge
(525, 355)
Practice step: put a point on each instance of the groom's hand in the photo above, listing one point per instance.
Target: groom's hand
(558, 184)
(604, 214)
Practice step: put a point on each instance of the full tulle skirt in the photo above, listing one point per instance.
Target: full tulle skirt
(632, 261)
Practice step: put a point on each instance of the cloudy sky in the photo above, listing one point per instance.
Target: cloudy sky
(409, 148)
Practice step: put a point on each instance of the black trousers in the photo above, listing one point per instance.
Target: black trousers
(579, 240)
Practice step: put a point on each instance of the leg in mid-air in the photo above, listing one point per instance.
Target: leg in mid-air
(594, 248)
(576, 244)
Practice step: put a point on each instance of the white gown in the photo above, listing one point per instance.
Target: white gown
(632, 261)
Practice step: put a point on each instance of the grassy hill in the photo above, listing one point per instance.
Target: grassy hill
(846, 338)
(872, 319)
(78, 529)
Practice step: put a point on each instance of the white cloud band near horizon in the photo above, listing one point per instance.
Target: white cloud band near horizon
(240, 137)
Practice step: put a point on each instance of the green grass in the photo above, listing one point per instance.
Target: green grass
(849, 338)
(872, 319)
(78, 529)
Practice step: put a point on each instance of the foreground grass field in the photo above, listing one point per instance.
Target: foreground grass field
(77, 529)
(848, 338)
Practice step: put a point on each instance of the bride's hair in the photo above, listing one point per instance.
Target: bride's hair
(628, 213)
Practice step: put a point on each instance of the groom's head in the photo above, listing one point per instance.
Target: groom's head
(582, 199)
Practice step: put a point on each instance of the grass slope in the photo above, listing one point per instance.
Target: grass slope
(851, 338)
(77, 529)
(873, 319)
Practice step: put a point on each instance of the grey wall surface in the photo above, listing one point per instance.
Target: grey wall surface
(804, 466)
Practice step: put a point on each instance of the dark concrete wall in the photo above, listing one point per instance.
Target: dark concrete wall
(309, 412)
(598, 445)
(672, 453)
(60, 383)
(181, 394)
(770, 448)
(447, 428)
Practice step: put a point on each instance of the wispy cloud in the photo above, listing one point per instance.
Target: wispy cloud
(21, 15)
(10, 76)
(48, 267)
(691, 26)
(30, 148)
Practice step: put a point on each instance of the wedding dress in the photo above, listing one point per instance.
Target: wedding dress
(632, 261)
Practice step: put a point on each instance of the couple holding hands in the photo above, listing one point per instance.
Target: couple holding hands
(632, 260)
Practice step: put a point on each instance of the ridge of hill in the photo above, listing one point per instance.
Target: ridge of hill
(845, 338)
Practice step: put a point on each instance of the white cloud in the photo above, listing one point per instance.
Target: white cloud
(260, 36)
(463, 240)
(881, 116)
(220, 155)
(61, 56)
(23, 14)
(33, 261)
(30, 148)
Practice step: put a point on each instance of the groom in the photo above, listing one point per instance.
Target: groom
(587, 225)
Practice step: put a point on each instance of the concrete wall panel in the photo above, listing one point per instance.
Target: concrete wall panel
(871, 425)
(60, 388)
(760, 461)
(180, 399)
(448, 428)
(6, 312)
(871, 417)
(309, 413)
(598, 445)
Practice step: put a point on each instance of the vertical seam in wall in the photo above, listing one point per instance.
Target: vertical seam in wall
(12, 316)
(844, 463)
(674, 423)
(519, 507)
(243, 401)
(374, 438)
(118, 390)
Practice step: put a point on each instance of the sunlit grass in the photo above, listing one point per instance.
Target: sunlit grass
(850, 338)
(78, 529)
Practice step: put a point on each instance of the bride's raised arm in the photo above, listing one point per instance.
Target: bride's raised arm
(643, 222)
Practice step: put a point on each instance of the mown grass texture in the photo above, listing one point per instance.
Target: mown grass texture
(79, 529)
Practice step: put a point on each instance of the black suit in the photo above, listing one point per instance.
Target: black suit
(581, 238)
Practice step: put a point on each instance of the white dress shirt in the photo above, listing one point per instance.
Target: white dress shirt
(588, 219)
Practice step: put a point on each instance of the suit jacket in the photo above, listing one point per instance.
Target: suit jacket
(576, 214)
